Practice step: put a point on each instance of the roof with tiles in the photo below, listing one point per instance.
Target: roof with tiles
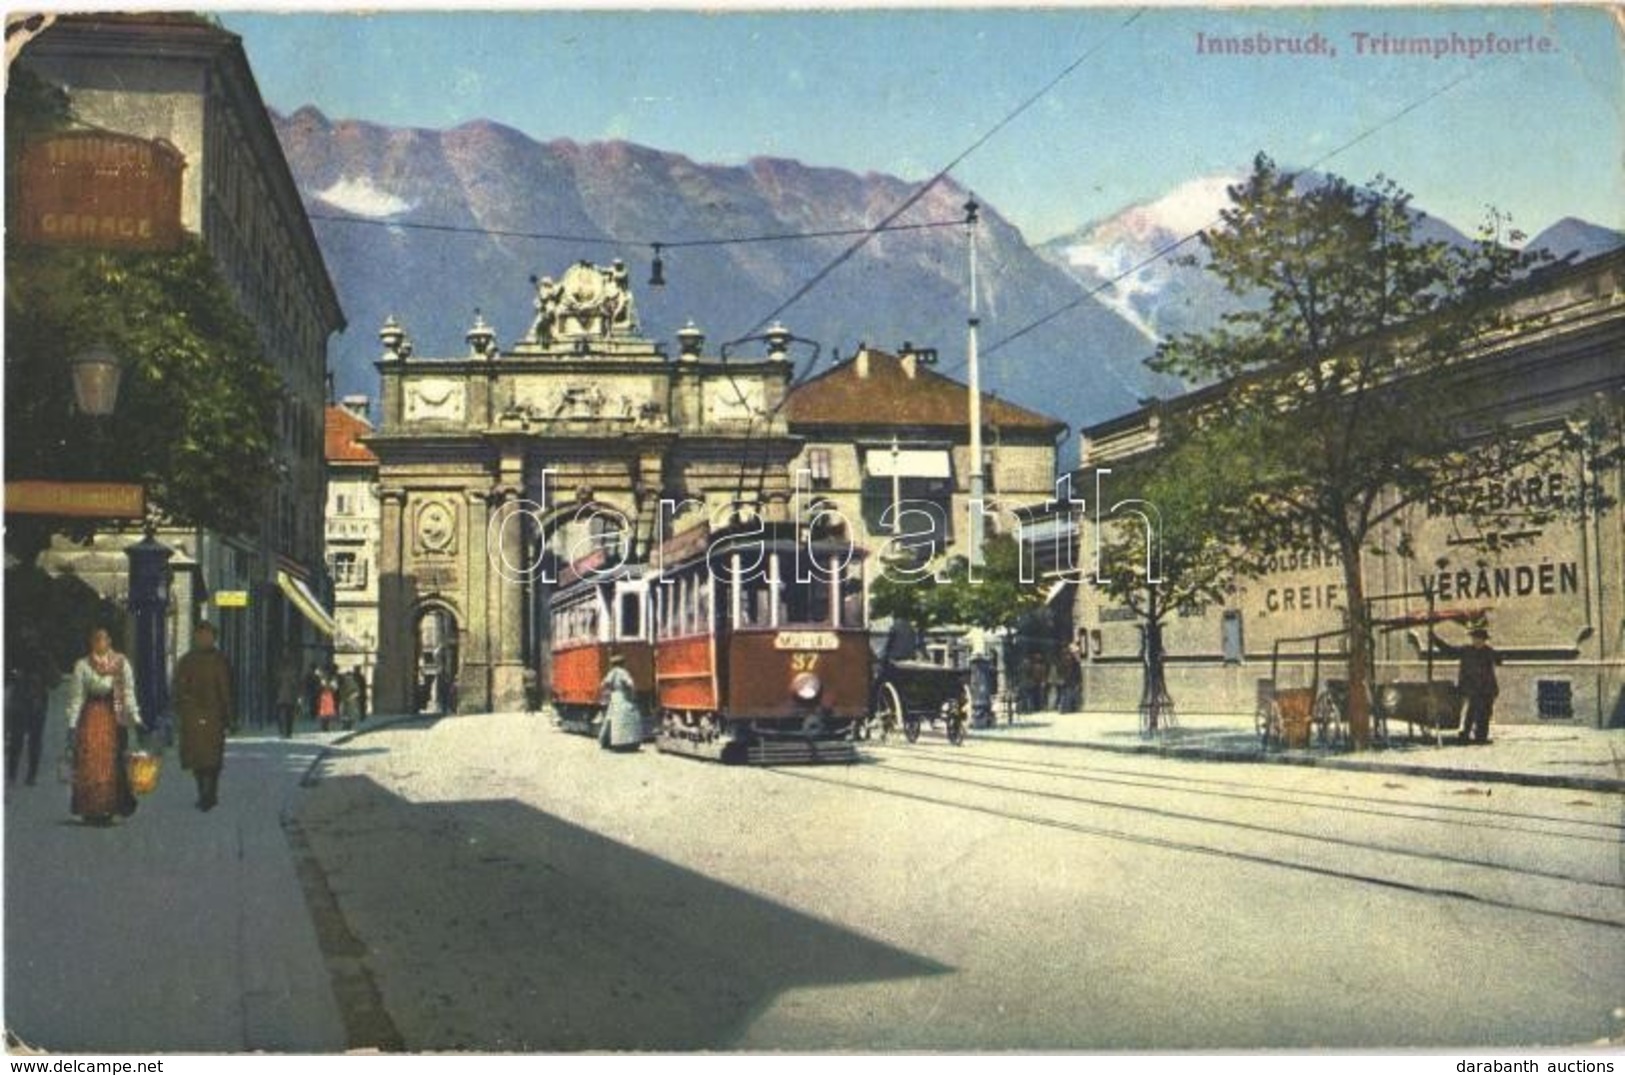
(344, 433)
(875, 388)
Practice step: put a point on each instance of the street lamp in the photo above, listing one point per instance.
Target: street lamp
(96, 375)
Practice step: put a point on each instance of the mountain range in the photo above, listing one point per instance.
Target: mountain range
(362, 180)
(489, 192)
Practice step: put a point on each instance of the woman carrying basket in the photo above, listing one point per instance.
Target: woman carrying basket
(102, 710)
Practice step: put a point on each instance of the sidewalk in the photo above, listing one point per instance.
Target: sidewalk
(174, 930)
(1559, 756)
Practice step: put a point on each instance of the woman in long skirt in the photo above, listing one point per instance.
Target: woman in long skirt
(623, 724)
(102, 711)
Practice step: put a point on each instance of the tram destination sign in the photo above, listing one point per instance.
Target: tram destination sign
(100, 189)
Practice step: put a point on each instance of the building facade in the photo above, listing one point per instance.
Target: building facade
(183, 80)
(1554, 595)
(354, 514)
(886, 443)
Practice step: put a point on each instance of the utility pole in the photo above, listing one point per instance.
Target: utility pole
(977, 488)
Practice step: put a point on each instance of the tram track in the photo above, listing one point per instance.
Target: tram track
(1565, 893)
(1545, 825)
(1253, 827)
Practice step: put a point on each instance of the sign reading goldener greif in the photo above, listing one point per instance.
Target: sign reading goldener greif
(100, 189)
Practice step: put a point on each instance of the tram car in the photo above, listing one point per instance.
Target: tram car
(761, 646)
(595, 613)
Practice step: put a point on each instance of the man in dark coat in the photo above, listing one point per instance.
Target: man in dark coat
(203, 707)
(28, 683)
(1475, 682)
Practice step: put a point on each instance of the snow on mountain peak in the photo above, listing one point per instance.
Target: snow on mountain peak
(362, 198)
(1189, 207)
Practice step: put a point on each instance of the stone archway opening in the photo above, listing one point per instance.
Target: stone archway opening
(436, 660)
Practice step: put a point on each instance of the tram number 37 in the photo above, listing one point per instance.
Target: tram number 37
(803, 662)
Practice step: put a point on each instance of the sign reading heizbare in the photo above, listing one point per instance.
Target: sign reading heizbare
(99, 189)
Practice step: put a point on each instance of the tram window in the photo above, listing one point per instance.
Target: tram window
(631, 616)
(807, 602)
(753, 603)
(852, 597)
(702, 605)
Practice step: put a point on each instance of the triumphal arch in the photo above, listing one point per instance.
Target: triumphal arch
(497, 465)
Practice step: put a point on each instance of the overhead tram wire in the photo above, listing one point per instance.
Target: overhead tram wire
(887, 222)
(602, 240)
(1169, 248)
(926, 187)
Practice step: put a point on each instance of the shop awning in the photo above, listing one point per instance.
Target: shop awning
(299, 595)
(911, 463)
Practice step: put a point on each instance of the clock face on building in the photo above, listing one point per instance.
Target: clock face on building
(435, 526)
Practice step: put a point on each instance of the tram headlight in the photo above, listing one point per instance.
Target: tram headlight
(806, 686)
(1390, 699)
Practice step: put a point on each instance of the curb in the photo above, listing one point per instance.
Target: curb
(1609, 785)
(373, 724)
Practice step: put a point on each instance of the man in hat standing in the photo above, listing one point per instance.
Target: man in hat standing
(203, 708)
(1475, 682)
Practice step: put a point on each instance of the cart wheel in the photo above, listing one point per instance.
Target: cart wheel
(957, 716)
(1328, 720)
(911, 728)
(888, 711)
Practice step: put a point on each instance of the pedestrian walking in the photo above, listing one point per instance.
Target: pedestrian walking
(1032, 682)
(1071, 680)
(28, 684)
(1475, 681)
(1054, 684)
(327, 706)
(102, 710)
(349, 698)
(203, 705)
(361, 697)
(622, 727)
(287, 693)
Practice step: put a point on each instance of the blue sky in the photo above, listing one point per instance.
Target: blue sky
(905, 91)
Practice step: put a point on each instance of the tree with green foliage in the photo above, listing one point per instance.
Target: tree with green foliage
(1339, 396)
(992, 597)
(1160, 552)
(197, 414)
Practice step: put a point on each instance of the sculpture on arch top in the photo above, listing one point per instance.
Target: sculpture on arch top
(587, 301)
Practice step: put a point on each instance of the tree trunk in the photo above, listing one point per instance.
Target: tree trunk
(1156, 705)
(1359, 647)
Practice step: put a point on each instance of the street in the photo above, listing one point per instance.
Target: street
(509, 887)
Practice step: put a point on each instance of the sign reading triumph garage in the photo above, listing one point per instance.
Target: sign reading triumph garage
(100, 189)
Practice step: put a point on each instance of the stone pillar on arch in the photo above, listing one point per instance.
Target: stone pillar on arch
(507, 590)
(393, 678)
